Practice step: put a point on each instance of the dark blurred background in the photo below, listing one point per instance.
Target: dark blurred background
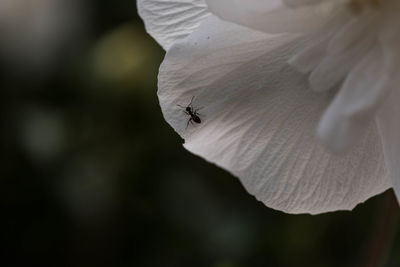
(91, 174)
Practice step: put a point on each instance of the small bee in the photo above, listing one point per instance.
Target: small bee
(192, 113)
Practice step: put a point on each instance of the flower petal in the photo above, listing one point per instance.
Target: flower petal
(343, 54)
(364, 90)
(273, 16)
(353, 109)
(388, 116)
(312, 55)
(389, 127)
(259, 119)
(295, 3)
(171, 21)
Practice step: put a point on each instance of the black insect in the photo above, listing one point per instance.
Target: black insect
(192, 112)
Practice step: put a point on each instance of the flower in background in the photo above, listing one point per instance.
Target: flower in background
(35, 32)
(300, 97)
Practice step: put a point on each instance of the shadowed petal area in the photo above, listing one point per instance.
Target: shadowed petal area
(170, 21)
(273, 16)
(354, 107)
(389, 127)
(388, 116)
(259, 120)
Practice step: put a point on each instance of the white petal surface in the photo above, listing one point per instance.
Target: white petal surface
(259, 119)
(296, 3)
(171, 21)
(353, 109)
(313, 54)
(347, 47)
(273, 16)
(389, 127)
(388, 118)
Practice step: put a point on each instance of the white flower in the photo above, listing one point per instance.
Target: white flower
(298, 81)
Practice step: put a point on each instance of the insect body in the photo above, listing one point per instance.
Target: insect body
(192, 113)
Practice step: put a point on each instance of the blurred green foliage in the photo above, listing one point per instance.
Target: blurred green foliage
(92, 175)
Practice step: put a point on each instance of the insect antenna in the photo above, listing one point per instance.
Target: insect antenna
(191, 100)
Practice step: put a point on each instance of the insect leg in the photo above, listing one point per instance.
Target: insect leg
(196, 113)
(189, 120)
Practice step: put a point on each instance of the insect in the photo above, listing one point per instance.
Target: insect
(192, 113)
